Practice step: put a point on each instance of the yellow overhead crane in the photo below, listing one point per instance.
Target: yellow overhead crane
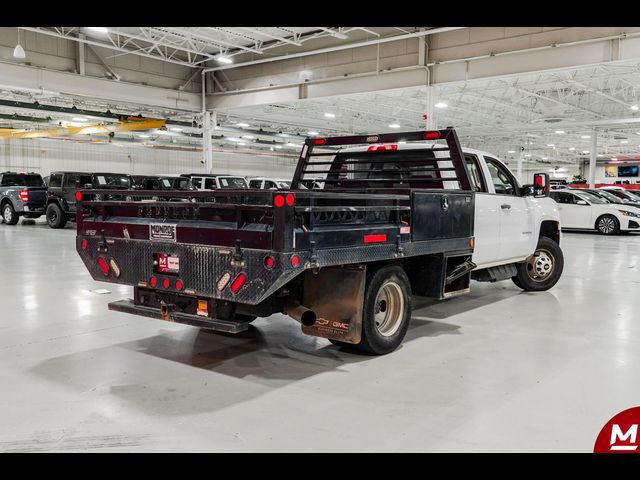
(126, 124)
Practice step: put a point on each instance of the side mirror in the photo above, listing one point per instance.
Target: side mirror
(581, 202)
(541, 184)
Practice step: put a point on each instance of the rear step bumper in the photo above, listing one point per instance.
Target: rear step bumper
(127, 306)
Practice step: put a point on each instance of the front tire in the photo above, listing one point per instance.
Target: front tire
(55, 216)
(386, 312)
(9, 215)
(543, 269)
(608, 225)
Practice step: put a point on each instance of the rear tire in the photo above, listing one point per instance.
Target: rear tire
(386, 312)
(608, 225)
(56, 218)
(9, 215)
(543, 269)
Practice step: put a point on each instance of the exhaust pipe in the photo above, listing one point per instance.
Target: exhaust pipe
(301, 314)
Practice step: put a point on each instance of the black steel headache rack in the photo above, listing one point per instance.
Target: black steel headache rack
(384, 165)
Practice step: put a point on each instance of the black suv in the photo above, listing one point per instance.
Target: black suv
(21, 195)
(61, 199)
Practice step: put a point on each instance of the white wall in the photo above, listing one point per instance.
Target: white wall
(46, 155)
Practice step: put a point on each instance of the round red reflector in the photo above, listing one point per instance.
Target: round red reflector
(320, 141)
(269, 262)
(179, 285)
(290, 199)
(431, 135)
(278, 200)
(78, 196)
(104, 266)
(295, 261)
(166, 283)
(84, 244)
(153, 282)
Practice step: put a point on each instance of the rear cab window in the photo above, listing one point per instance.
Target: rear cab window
(22, 180)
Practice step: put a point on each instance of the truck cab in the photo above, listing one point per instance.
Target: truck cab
(21, 195)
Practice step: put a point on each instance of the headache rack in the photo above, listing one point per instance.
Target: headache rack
(383, 165)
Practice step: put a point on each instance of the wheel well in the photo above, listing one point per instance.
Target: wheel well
(549, 229)
(4, 202)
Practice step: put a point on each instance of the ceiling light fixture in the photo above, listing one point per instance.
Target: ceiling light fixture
(144, 135)
(585, 136)
(248, 137)
(550, 145)
(176, 129)
(572, 149)
(624, 141)
(614, 159)
(441, 105)
(330, 115)
(527, 155)
(242, 124)
(511, 151)
(278, 147)
(585, 151)
(98, 29)
(223, 59)
(394, 125)
(545, 158)
(79, 119)
(313, 133)
(560, 132)
(635, 108)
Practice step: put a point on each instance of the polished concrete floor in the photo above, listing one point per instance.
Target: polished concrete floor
(496, 370)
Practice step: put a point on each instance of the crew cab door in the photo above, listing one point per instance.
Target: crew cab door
(487, 215)
(517, 236)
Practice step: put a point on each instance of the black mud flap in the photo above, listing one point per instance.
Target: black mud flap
(337, 297)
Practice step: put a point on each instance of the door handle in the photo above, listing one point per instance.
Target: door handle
(505, 206)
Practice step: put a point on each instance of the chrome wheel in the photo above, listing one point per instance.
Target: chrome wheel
(389, 309)
(540, 265)
(7, 214)
(606, 225)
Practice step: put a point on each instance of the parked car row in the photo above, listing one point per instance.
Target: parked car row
(28, 195)
(608, 210)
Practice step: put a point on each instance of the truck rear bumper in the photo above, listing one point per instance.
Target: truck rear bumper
(128, 306)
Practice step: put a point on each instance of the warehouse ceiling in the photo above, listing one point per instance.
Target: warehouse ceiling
(547, 116)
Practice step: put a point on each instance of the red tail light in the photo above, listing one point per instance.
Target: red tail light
(278, 200)
(179, 285)
(153, 281)
(78, 196)
(320, 141)
(237, 284)
(377, 238)
(84, 244)
(431, 135)
(295, 261)
(166, 283)
(290, 199)
(269, 262)
(24, 195)
(104, 266)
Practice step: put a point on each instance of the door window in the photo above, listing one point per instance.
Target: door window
(255, 183)
(197, 182)
(55, 181)
(269, 185)
(209, 183)
(503, 181)
(475, 176)
(563, 197)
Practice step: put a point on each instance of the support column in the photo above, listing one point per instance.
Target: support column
(592, 158)
(519, 170)
(80, 55)
(206, 141)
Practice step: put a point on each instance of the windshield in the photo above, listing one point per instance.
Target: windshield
(22, 180)
(112, 180)
(233, 182)
(590, 197)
